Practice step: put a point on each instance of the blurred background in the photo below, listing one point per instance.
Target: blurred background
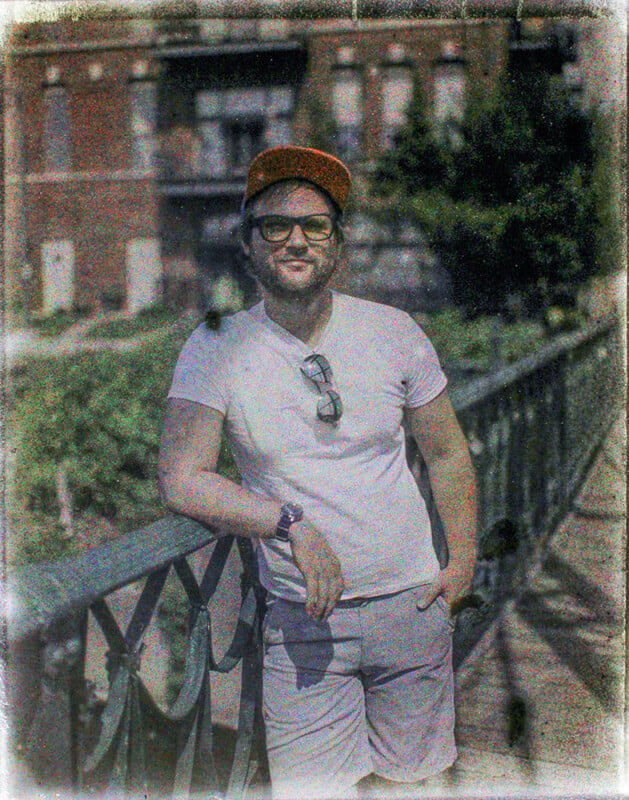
(486, 145)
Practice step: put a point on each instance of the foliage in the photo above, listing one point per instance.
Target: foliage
(144, 321)
(99, 415)
(482, 340)
(608, 189)
(172, 620)
(418, 161)
(54, 324)
(520, 204)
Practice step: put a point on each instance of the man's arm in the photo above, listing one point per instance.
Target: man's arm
(443, 446)
(190, 485)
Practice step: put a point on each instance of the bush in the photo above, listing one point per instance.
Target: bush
(469, 240)
(481, 340)
(100, 415)
(54, 324)
(523, 197)
(145, 321)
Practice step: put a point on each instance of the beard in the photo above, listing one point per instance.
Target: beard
(282, 288)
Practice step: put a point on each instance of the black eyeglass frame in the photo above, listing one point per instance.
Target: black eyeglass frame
(258, 222)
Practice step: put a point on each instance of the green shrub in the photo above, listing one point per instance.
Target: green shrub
(100, 415)
(54, 324)
(145, 321)
(525, 194)
(481, 340)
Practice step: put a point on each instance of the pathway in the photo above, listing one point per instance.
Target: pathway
(540, 700)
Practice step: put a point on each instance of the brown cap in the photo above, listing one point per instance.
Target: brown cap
(288, 163)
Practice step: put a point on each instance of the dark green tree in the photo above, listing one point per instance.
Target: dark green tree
(418, 162)
(514, 208)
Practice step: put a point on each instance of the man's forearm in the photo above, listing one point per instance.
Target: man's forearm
(218, 501)
(453, 486)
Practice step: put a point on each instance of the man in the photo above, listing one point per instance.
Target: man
(311, 387)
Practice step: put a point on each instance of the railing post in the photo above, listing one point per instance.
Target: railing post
(50, 735)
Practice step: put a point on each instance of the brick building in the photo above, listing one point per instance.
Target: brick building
(128, 139)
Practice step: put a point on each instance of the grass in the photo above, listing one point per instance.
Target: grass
(144, 321)
(56, 323)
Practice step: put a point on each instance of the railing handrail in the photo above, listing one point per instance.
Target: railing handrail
(479, 389)
(41, 593)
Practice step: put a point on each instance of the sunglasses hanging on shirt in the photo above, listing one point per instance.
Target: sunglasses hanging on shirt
(318, 370)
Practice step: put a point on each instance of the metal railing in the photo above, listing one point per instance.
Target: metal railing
(533, 429)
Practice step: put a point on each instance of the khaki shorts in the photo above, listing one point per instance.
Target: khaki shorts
(369, 690)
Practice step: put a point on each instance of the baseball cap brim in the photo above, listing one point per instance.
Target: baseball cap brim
(289, 162)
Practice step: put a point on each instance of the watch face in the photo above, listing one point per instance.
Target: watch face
(292, 511)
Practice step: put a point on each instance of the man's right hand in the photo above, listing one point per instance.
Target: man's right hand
(320, 567)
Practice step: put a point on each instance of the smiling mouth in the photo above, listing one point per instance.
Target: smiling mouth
(298, 263)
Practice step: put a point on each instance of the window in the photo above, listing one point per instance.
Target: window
(449, 102)
(238, 102)
(143, 123)
(397, 89)
(278, 127)
(57, 130)
(236, 124)
(278, 132)
(246, 142)
(213, 158)
(347, 101)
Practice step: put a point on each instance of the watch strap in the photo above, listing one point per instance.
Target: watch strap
(289, 514)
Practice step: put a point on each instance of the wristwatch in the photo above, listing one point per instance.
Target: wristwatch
(290, 513)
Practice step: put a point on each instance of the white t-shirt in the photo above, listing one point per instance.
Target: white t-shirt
(351, 478)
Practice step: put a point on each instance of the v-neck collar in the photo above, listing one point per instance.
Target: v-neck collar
(290, 338)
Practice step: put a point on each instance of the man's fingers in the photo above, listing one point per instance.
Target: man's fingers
(429, 595)
(323, 593)
(335, 588)
(321, 570)
(312, 595)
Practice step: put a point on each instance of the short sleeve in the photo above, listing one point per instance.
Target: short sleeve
(200, 372)
(423, 374)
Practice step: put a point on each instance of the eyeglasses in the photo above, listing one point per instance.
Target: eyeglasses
(275, 228)
(317, 369)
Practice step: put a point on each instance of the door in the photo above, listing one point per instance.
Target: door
(58, 275)
(144, 272)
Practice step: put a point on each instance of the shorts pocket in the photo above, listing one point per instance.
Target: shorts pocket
(270, 635)
(442, 603)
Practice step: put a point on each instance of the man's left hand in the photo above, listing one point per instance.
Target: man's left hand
(453, 583)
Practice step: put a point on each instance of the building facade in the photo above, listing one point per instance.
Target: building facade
(128, 140)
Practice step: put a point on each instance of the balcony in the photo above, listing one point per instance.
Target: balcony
(187, 38)
(548, 46)
(211, 158)
(218, 131)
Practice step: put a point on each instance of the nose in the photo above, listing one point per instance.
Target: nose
(297, 237)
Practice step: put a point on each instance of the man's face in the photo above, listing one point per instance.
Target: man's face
(297, 267)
